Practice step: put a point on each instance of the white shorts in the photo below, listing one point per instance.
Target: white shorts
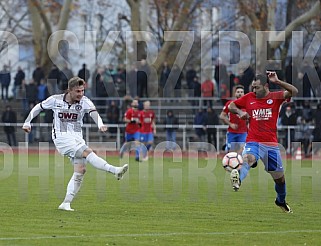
(70, 144)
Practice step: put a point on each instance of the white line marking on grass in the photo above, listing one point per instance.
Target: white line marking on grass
(159, 234)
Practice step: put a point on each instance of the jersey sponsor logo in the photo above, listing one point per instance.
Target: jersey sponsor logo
(262, 113)
(78, 107)
(270, 101)
(65, 116)
(147, 120)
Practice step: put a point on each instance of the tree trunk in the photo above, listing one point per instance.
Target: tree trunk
(36, 31)
(62, 25)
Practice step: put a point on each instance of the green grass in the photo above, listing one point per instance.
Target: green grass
(188, 202)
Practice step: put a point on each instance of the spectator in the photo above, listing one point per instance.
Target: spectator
(197, 93)
(200, 120)
(177, 80)
(171, 127)
(233, 80)
(53, 80)
(221, 75)
(236, 83)
(131, 80)
(165, 71)
(121, 73)
(207, 89)
(317, 129)
(304, 135)
(120, 86)
(84, 73)
(38, 74)
(43, 92)
(32, 93)
(142, 79)
(246, 78)
(65, 75)
(289, 118)
(306, 111)
(307, 90)
(318, 87)
(113, 116)
(210, 122)
(5, 79)
(18, 79)
(9, 116)
(101, 91)
(291, 72)
(93, 82)
(190, 75)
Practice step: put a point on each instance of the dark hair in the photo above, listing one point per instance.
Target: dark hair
(239, 87)
(262, 78)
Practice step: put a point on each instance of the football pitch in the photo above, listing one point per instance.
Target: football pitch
(165, 201)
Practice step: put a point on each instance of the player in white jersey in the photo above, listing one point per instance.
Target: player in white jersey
(69, 110)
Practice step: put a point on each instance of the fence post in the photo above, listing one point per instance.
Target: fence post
(218, 140)
(118, 138)
(289, 140)
(184, 138)
(87, 134)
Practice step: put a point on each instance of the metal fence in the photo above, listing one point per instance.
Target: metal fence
(183, 132)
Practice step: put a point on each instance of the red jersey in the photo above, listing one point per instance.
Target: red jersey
(235, 119)
(207, 88)
(132, 115)
(264, 113)
(147, 119)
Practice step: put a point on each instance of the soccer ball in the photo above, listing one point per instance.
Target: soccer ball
(232, 161)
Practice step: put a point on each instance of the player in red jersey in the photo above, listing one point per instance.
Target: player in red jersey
(132, 135)
(237, 130)
(262, 110)
(147, 129)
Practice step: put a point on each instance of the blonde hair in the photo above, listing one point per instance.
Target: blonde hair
(75, 81)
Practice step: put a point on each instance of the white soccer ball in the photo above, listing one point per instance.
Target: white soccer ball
(232, 160)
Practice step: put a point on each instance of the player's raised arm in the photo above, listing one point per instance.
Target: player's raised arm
(235, 110)
(97, 119)
(33, 113)
(290, 90)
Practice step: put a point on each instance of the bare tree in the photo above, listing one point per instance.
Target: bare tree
(42, 29)
(262, 16)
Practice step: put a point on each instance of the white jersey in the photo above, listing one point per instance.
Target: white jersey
(67, 117)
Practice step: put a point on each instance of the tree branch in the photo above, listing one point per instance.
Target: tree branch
(313, 12)
(16, 21)
(42, 15)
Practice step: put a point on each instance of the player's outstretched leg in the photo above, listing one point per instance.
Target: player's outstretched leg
(72, 189)
(101, 164)
(244, 171)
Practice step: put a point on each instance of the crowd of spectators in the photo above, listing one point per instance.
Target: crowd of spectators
(173, 82)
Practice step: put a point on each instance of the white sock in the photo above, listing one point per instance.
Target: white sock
(100, 163)
(73, 186)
